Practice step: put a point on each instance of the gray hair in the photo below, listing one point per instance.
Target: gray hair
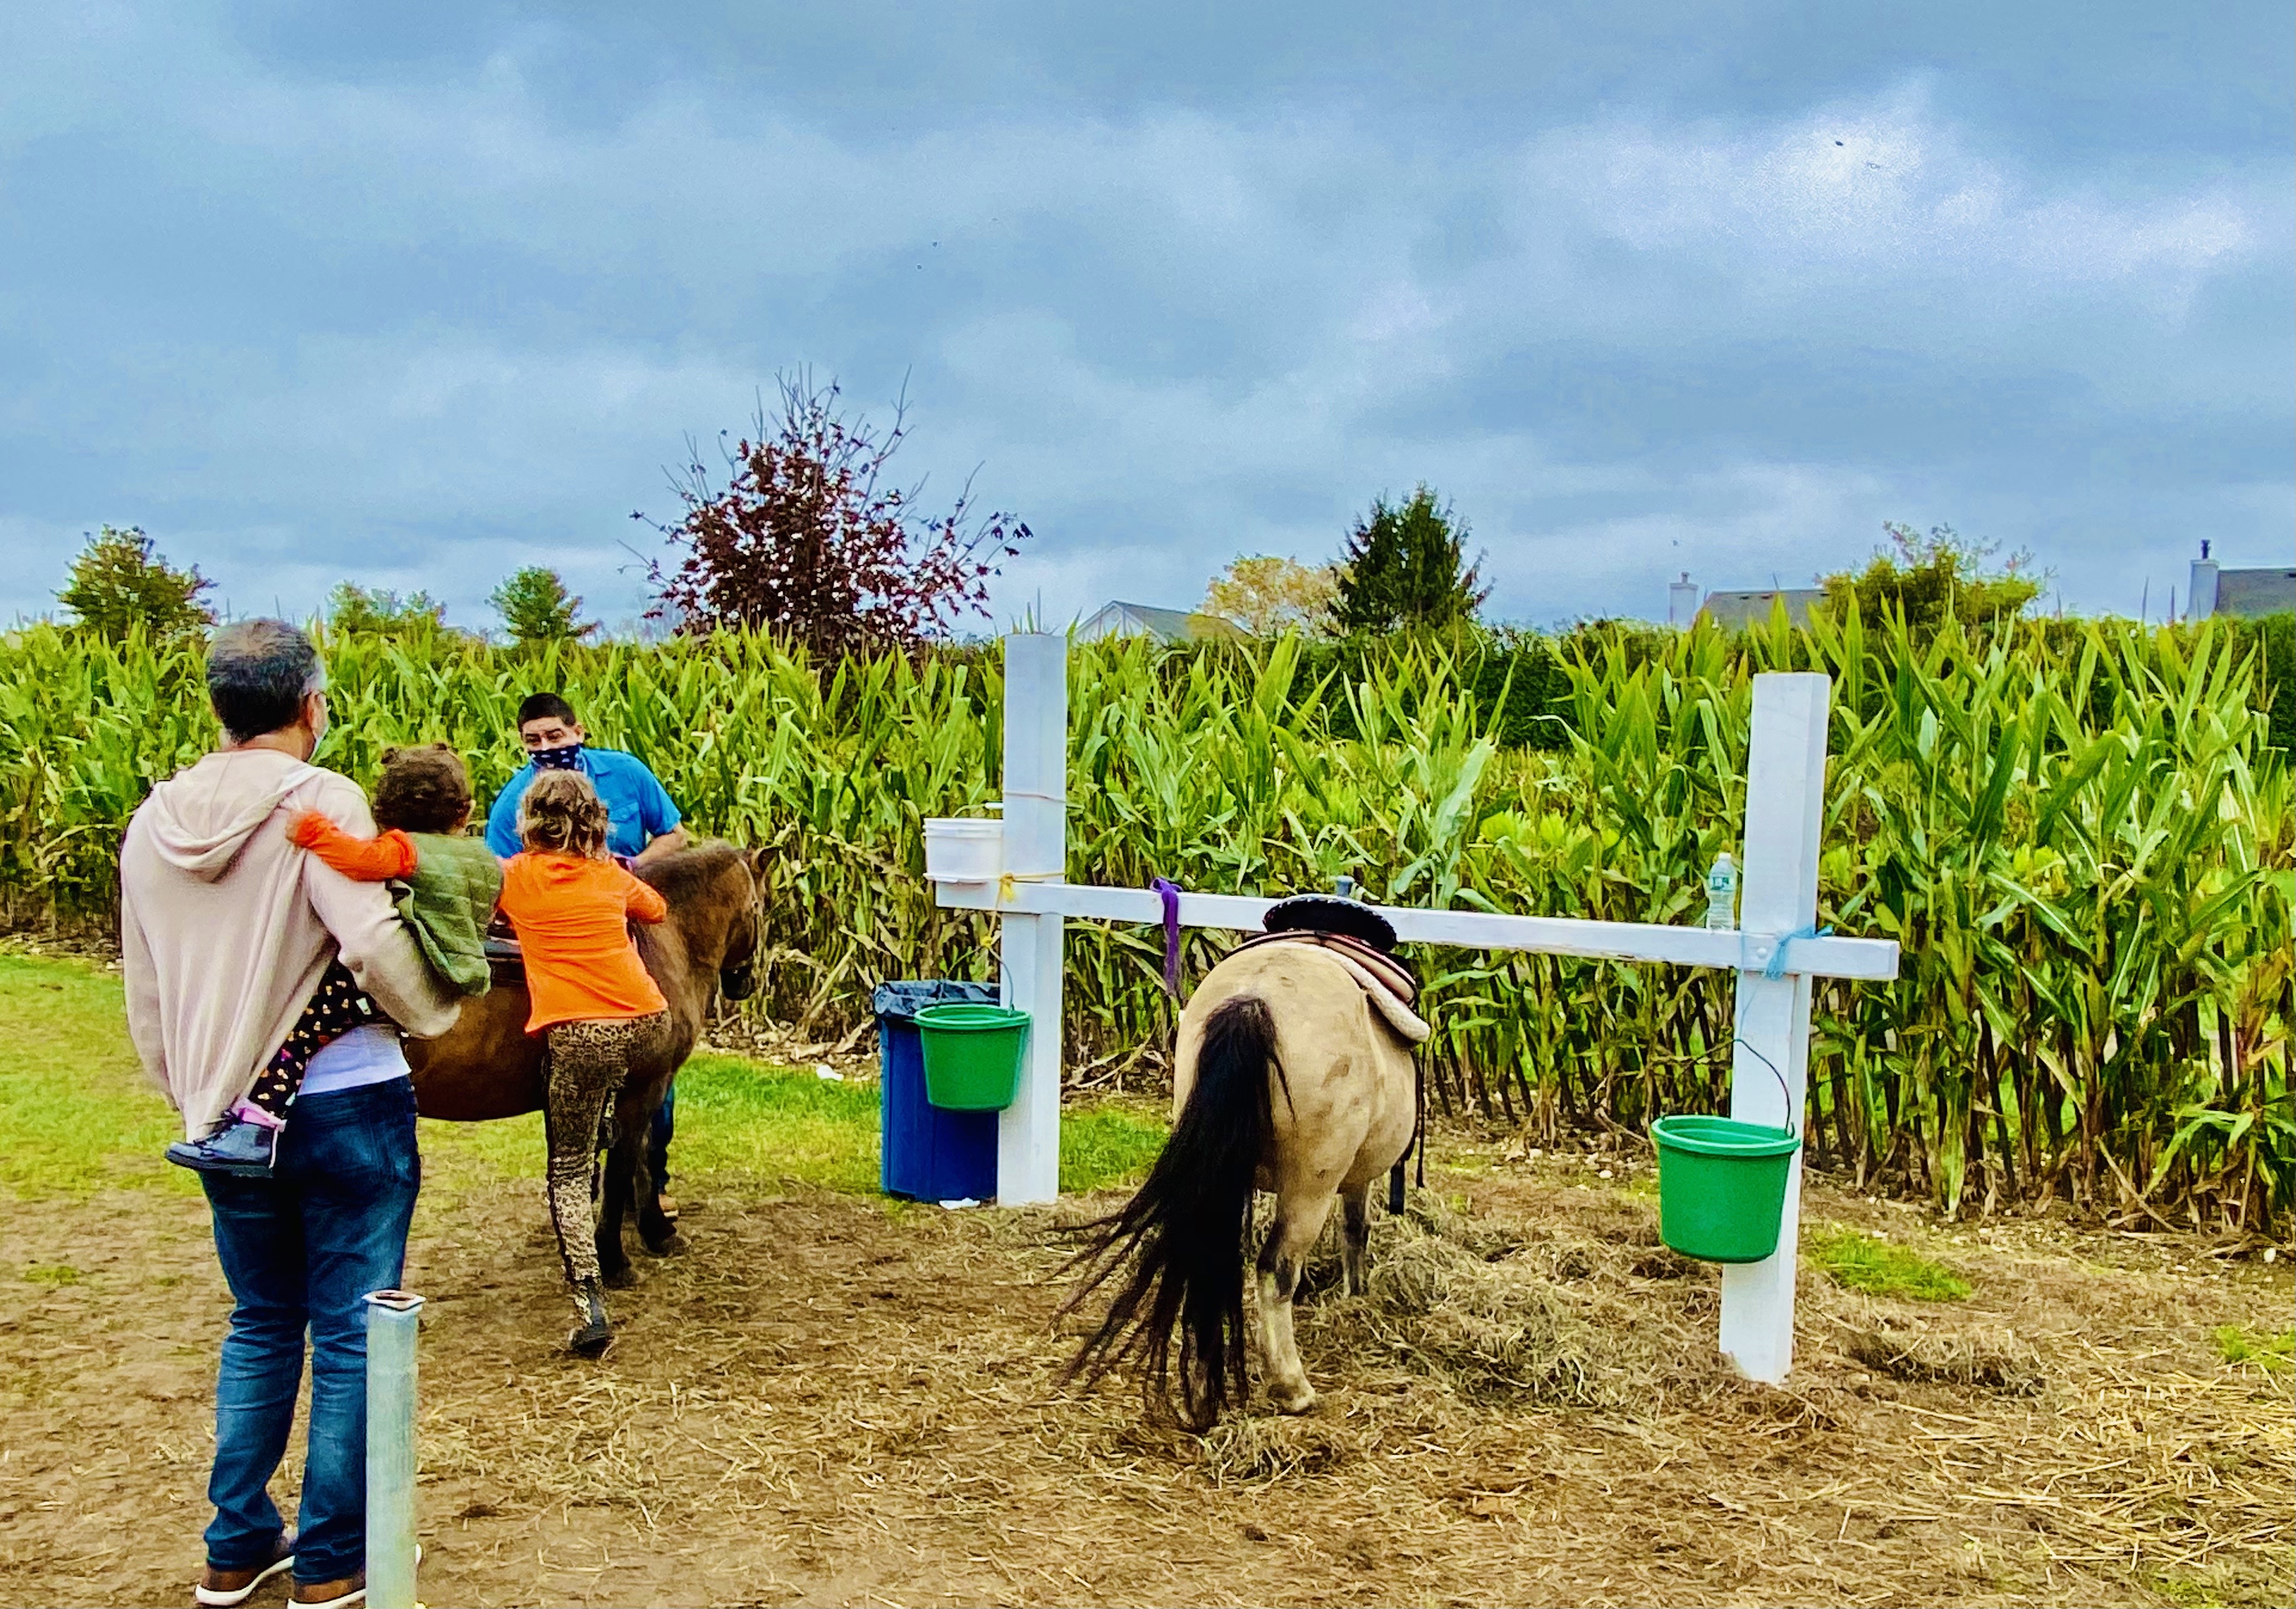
(260, 672)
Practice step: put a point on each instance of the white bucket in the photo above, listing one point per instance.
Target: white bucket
(968, 849)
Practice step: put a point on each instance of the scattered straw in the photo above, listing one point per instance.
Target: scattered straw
(1993, 1360)
(1249, 1447)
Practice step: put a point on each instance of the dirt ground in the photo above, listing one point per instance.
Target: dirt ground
(830, 1400)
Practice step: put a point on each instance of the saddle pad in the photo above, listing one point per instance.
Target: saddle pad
(1392, 971)
(1385, 981)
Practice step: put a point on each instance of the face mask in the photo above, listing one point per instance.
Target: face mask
(568, 758)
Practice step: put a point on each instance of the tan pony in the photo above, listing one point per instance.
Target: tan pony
(1292, 1075)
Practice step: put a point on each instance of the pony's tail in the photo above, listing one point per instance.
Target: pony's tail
(1183, 1234)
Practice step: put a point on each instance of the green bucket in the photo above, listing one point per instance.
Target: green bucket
(971, 1055)
(1721, 1187)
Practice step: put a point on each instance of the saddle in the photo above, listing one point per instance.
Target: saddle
(1363, 942)
(506, 956)
(505, 959)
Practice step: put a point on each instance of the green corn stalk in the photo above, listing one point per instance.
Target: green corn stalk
(2073, 831)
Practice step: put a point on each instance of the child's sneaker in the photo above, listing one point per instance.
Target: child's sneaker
(239, 1146)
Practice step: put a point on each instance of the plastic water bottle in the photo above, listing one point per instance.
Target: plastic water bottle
(1722, 894)
(1344, 886)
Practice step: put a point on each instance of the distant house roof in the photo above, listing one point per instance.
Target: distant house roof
(1738, 609)
(1118, 619)
(2250, 594)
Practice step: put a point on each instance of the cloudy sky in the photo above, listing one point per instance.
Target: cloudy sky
(417, 294)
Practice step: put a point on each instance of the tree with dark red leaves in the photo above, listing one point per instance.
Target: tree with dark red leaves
(807, 540)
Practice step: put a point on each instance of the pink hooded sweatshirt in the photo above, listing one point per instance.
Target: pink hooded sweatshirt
(226, 927)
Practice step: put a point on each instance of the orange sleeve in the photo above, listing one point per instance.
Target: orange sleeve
(642, 901)
(390, 855)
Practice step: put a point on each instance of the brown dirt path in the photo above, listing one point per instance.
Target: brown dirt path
(829, 1399)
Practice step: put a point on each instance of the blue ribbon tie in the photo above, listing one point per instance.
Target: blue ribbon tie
(1777, 963)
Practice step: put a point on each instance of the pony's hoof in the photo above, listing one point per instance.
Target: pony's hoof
(669, 1245)
(620, 1279)
(1298, 1399)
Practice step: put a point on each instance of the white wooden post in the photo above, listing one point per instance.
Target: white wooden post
(1036, 846)
(1786, 807)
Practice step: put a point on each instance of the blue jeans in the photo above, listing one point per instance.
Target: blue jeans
(665, 1125)
(302, 1249)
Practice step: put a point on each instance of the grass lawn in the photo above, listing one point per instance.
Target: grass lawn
(77, 1113)
(1861, 1262)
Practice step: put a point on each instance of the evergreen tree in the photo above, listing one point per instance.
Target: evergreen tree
(536, 607)
(1406, 568)
(118, 582)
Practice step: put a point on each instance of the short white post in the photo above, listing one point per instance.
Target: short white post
(1036, 846)
(1786, 810)
(393, 1320)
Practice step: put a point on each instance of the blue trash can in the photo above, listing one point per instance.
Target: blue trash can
(925, 1153)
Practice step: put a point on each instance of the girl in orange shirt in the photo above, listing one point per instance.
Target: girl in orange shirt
(571, 908)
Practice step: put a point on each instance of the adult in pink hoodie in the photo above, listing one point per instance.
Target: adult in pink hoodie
(225, 929)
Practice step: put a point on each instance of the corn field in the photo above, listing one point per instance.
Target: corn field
(2076, 833)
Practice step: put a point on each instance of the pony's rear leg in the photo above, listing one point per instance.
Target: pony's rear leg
(613, 1261)
(1298, 1223)
(656, 1232)
(1354, 1206)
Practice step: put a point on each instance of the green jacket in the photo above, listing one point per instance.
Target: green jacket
(448, 902)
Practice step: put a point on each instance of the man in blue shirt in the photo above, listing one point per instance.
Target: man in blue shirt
(641, 819)
(642, 822)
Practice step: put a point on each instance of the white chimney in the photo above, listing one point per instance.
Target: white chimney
(2202, 600)
(1682, 603)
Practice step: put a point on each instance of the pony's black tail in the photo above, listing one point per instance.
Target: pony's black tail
(1183, 1234)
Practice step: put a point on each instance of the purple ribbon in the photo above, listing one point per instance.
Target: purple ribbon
(1170, 893)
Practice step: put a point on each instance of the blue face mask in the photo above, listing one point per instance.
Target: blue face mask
(568, 758)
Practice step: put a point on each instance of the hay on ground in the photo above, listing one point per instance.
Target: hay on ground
(1991, 1360)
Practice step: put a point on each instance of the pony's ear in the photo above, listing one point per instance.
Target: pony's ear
(758, 859)
(389, 756)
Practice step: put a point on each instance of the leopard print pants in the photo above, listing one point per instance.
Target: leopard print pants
(584, 1063)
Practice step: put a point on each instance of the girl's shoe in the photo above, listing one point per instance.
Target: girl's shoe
(239, 1147)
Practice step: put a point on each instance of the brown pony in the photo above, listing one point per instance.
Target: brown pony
(488, 1066)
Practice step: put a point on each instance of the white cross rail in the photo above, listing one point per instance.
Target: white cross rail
(1786, 777)
(1821, 957)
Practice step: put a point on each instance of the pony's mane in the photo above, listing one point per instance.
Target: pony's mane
(679, 878)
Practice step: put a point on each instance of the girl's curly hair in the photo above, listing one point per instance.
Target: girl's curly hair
(422, 789)
(560, 812)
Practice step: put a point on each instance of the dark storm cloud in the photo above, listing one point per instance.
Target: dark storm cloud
(419, 298)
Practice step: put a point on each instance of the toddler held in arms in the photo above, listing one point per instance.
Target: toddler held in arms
(447, 885)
